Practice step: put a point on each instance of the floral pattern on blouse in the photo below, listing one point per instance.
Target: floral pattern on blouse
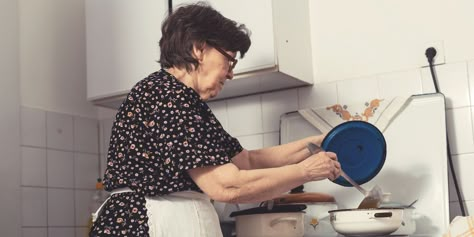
(160, 131)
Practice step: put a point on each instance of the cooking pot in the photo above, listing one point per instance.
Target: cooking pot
(278, 221)
(366, 222)
(316, 217)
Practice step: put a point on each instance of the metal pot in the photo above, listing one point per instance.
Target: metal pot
(279, 221)
(366, 222)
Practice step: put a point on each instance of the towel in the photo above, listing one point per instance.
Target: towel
(379, 112)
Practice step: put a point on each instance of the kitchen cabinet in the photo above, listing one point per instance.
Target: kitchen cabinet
(122, 44)
(122, 47)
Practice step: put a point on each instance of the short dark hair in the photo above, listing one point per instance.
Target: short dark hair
(198, 23)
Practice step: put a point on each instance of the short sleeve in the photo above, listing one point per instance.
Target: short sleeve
(190, 135)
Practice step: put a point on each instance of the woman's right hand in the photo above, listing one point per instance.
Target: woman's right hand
(321, 166)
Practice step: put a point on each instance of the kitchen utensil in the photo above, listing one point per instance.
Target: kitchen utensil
(360, 148)
(372, 198)
(366, 222)
(280, 221)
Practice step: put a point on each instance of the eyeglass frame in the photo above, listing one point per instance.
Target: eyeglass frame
(231, 59)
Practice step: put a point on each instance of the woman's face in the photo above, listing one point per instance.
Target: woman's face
(214, 70)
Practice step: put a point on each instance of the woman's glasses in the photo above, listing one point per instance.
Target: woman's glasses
(232, 60)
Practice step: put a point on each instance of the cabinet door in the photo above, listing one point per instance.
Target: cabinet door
(257, 16)
(122, 44)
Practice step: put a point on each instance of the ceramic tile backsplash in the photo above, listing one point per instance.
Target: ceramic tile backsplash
(276, 104)
(82, 206)
(59, 131)
(82, 232)
(470, 73)
(357, 90)
(105, 132)
(56, 181)
(452, 82)
(33, 127)
(86, 135)
(245, 115)
(34, 232)
(318, 95)
(219, 108)
(60, 207)
(86, 170)
(463, 164)
(251, 142)
(459, 124)
(271, 139)
(405, 83)
(33, 166)
(61, 231)
(34, 206)
(60, 169)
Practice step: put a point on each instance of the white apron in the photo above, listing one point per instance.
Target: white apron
(187, 214)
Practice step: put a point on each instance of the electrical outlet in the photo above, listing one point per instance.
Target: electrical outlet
(438, 59)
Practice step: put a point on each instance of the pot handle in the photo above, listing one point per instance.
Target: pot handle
(382, 215)
(292, 220)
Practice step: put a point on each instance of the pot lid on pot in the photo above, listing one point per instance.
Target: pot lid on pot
(275, 209)
(360, 148)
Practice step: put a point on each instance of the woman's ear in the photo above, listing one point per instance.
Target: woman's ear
(198, 51)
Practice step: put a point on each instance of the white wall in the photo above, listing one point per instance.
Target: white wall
(9, 120)
(53, 56)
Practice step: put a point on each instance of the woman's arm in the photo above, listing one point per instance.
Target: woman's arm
(276, 156)
(228, 183)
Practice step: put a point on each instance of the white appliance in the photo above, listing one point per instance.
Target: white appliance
(415, 165)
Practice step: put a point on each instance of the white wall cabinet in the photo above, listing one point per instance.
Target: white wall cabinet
(122, 44)
(123, 36)
(257, 16)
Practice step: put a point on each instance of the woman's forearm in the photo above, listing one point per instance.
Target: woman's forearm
(285, 154)
(229, 184)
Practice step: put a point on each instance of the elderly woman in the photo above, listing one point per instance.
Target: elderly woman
(168, 153)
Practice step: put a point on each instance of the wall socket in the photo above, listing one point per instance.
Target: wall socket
(438, 59)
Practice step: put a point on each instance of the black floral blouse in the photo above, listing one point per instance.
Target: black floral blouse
(161, 130)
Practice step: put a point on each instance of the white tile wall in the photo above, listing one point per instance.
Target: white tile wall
(33, 127)
(83, 206)
(82, 232)
(271, 139)
(470, 73)
(86, 170)
(59, 131)
(60, 153)
(245, 115)
(452, 82)
(33, 166)
(34, 232)
(61, 232)
(60, 169)
(405, 83)
(318, 95)
(60, 208)
(463, 166)
(34, 206)
(219, 109)
(105, 132)
(86, 135)
(461, 138)
(276, 104)
(251, 142)
(357, 90)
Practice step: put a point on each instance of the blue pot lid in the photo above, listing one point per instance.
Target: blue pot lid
(360, 148)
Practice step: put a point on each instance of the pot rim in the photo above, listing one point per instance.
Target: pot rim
(368, 209)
